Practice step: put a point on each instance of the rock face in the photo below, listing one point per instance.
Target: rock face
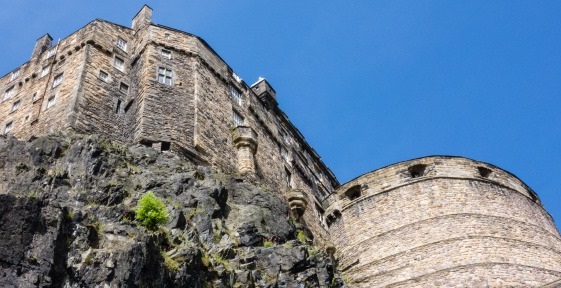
(67, 220)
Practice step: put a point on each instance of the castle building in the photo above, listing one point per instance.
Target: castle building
(424, 222)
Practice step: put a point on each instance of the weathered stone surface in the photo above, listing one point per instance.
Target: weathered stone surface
(67, 220)
(454, 222)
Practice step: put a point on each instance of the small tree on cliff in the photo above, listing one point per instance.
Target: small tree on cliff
(151, 211)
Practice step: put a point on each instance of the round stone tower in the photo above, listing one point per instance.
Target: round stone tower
(442, 221)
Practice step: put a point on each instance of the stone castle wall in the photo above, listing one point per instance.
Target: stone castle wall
(442, 220)
(192, 113)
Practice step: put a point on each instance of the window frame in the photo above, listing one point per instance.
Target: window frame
(46, 69)
(236, 95)
(50, 53)
(121, 44)
(164, 76)
(125, 86)
(103, 76)
(14, 75)
(50, 102)
(121, 66)
(237, 119)
(15, 105)
(8, 93)
(57, 80)
(166, 54)
(8, 127)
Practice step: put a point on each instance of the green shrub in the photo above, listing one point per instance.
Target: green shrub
(151, 211)
(267, 244)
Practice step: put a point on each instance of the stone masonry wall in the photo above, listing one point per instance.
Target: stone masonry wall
(449, 222)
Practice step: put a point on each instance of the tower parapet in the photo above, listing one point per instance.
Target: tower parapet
(452, 219)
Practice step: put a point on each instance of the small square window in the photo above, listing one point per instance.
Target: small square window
(50, 102)
(164, 75)
(8, 127)
(45, 71)
(166, 54)
(119, 63)
(8, 93)
(50, 53)
(124, 88)
(121, 44)
(237, 119)
(57, 80)
(103, 76)
(14, 75)
(15, 106)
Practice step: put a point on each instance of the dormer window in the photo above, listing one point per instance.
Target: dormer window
(121, 44)
(417, 170)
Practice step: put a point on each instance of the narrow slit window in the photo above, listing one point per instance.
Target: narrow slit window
(118, 108)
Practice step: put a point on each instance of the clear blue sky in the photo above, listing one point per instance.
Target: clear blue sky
(370, 83)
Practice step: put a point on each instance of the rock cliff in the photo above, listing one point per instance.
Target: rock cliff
(67, 219)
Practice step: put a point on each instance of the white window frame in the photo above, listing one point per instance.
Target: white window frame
(15, 105)
(119, 63)
(121, 44)
(50, 53)
(50, 102)
(57, 80)
(103, 76)
(45, 71)
(237, 119)
(236, 95)
(166, 53)
(165, 76)
(8, 127)
(14, 75)
(35, 97)
(8, 93)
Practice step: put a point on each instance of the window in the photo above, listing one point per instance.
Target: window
(118, 108)
(26, 119)
(15, 106)
(124, 88)
(121, 44)
(119, 63)
(45, 71)
(35, 97)
(237, 119)
(14, 75)
(166, 54)
(50, 102)
(8, 127)
(236, 95)
(288, 178)
(164, 75)
(8, 93)
(57, 80)
(103, 76)
(50, 53)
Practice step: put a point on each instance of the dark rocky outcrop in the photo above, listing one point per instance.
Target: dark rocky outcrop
(67, 220)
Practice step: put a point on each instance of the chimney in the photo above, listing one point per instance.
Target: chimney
(142, 19)
(42, 44)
